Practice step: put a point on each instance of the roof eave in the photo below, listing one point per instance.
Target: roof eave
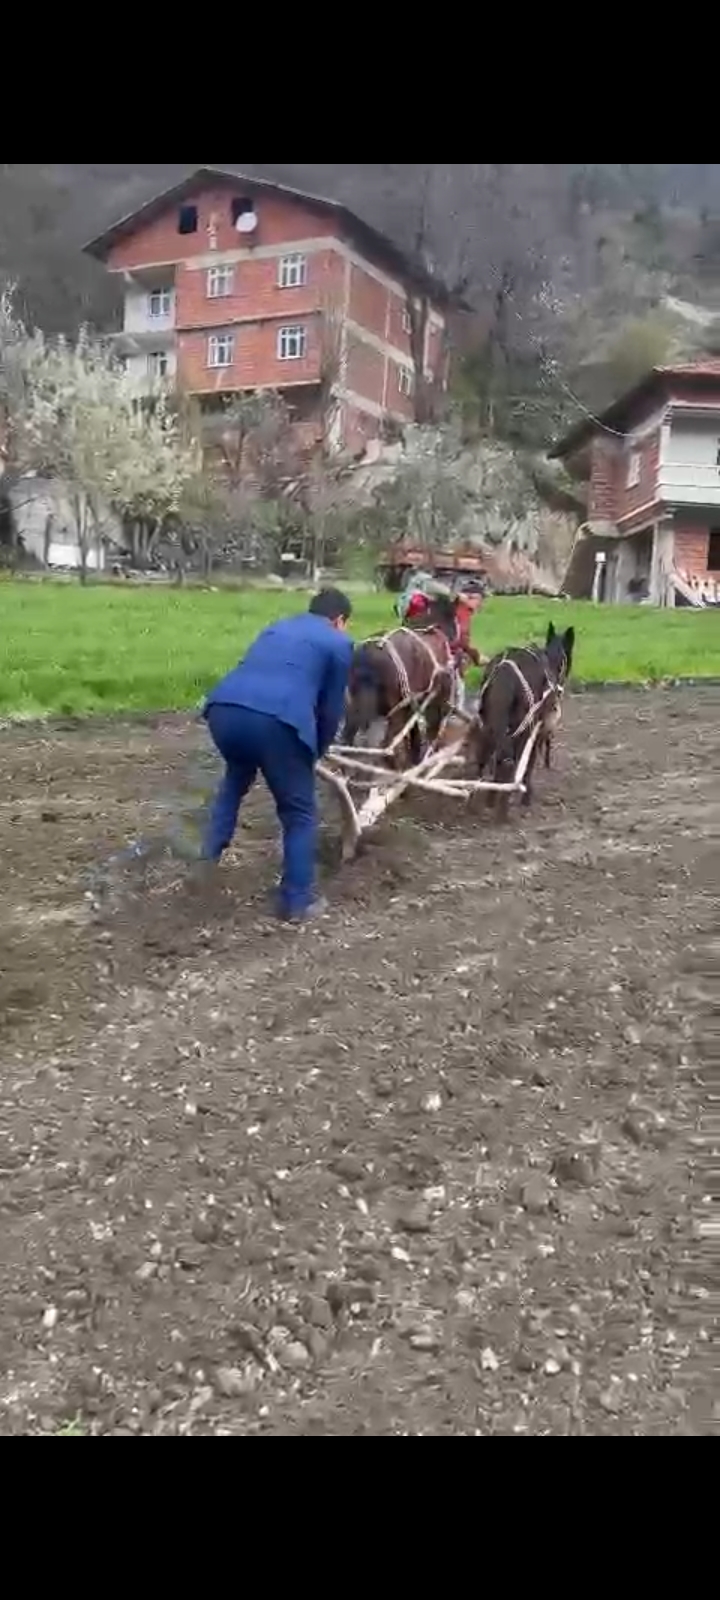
(610, 421)
(613, 420)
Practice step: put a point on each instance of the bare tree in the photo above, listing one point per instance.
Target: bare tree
(444, 243)
(254, 440)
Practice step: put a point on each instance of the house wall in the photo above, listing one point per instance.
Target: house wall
(138, 318)
(159, 241)
(604, 470)
(612, 495)
(257, 291)
(256, 363)
(365, 372)
(140, 366)
(692, 548)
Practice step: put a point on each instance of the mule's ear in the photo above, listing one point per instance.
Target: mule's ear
(551, 633)
(570, 639)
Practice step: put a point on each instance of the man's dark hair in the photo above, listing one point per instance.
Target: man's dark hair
(333, 605)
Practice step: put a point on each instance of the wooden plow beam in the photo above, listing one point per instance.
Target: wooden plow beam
(353, 773)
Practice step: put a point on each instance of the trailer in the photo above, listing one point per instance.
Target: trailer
(453, 567)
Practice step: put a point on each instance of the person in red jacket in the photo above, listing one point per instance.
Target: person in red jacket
(464, 652)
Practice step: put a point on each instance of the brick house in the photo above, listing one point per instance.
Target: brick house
(652, 466)
(235, 284)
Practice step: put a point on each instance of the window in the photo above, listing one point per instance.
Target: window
(407, 322)
(241, 208)
(221, 350)
(293, 272)
(406, 381)
(714, 550)
(188, 221)
(292, 344)
(634, 472)
(160, 304)
(221, 282)
(158, 364)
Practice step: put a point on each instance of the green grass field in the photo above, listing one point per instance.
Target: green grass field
(64, 650)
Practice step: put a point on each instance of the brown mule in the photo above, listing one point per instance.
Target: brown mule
(522, 686)
(410, 672)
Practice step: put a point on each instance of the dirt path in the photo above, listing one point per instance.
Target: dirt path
(430, 1168)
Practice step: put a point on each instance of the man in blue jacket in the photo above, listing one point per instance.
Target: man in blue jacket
(277, 713)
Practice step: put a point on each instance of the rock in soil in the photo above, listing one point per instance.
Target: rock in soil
(418, 1219)
(537, 1197)
(350, 1169)
(316, 1312)
(318, 1347)
(296, 1357)
(574, 1170)
(233, 1384)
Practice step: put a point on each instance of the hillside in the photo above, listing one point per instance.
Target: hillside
(552, 255)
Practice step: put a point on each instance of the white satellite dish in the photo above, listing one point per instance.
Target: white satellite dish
(247, 222)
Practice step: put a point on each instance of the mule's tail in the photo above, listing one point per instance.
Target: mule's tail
(366, 694)
(364, 671)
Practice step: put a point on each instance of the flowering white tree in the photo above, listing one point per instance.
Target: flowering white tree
(72, 412)
(154, 459)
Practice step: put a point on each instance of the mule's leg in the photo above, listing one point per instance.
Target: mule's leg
(549, 746)
(436, 715)
(415, 745)
(481, 752)
(480, 747)
(401, 754)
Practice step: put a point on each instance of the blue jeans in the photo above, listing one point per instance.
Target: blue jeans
(253, 743)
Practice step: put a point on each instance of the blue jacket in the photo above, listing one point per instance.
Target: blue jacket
(297, 671)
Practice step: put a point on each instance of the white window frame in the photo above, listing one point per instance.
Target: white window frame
(407, 322)
(293, 271)
(406, 382)
(635, 470)
(220, 282)
(292, 343)
(221, 351)
(164, 299)
(158, 360)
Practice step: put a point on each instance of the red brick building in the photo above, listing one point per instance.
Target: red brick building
(234, 284)
(652, 464)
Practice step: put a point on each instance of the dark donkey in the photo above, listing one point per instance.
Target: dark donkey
(522, 687)
(410, 669)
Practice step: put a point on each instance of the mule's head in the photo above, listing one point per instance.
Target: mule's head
(560, 651)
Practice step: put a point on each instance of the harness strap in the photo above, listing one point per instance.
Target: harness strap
(400, 668)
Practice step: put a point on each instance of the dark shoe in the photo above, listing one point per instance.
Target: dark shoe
(298, 919)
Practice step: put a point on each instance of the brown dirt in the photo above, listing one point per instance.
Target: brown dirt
(431, 1167)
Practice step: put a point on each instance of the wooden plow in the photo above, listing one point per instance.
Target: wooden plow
(367, 786)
